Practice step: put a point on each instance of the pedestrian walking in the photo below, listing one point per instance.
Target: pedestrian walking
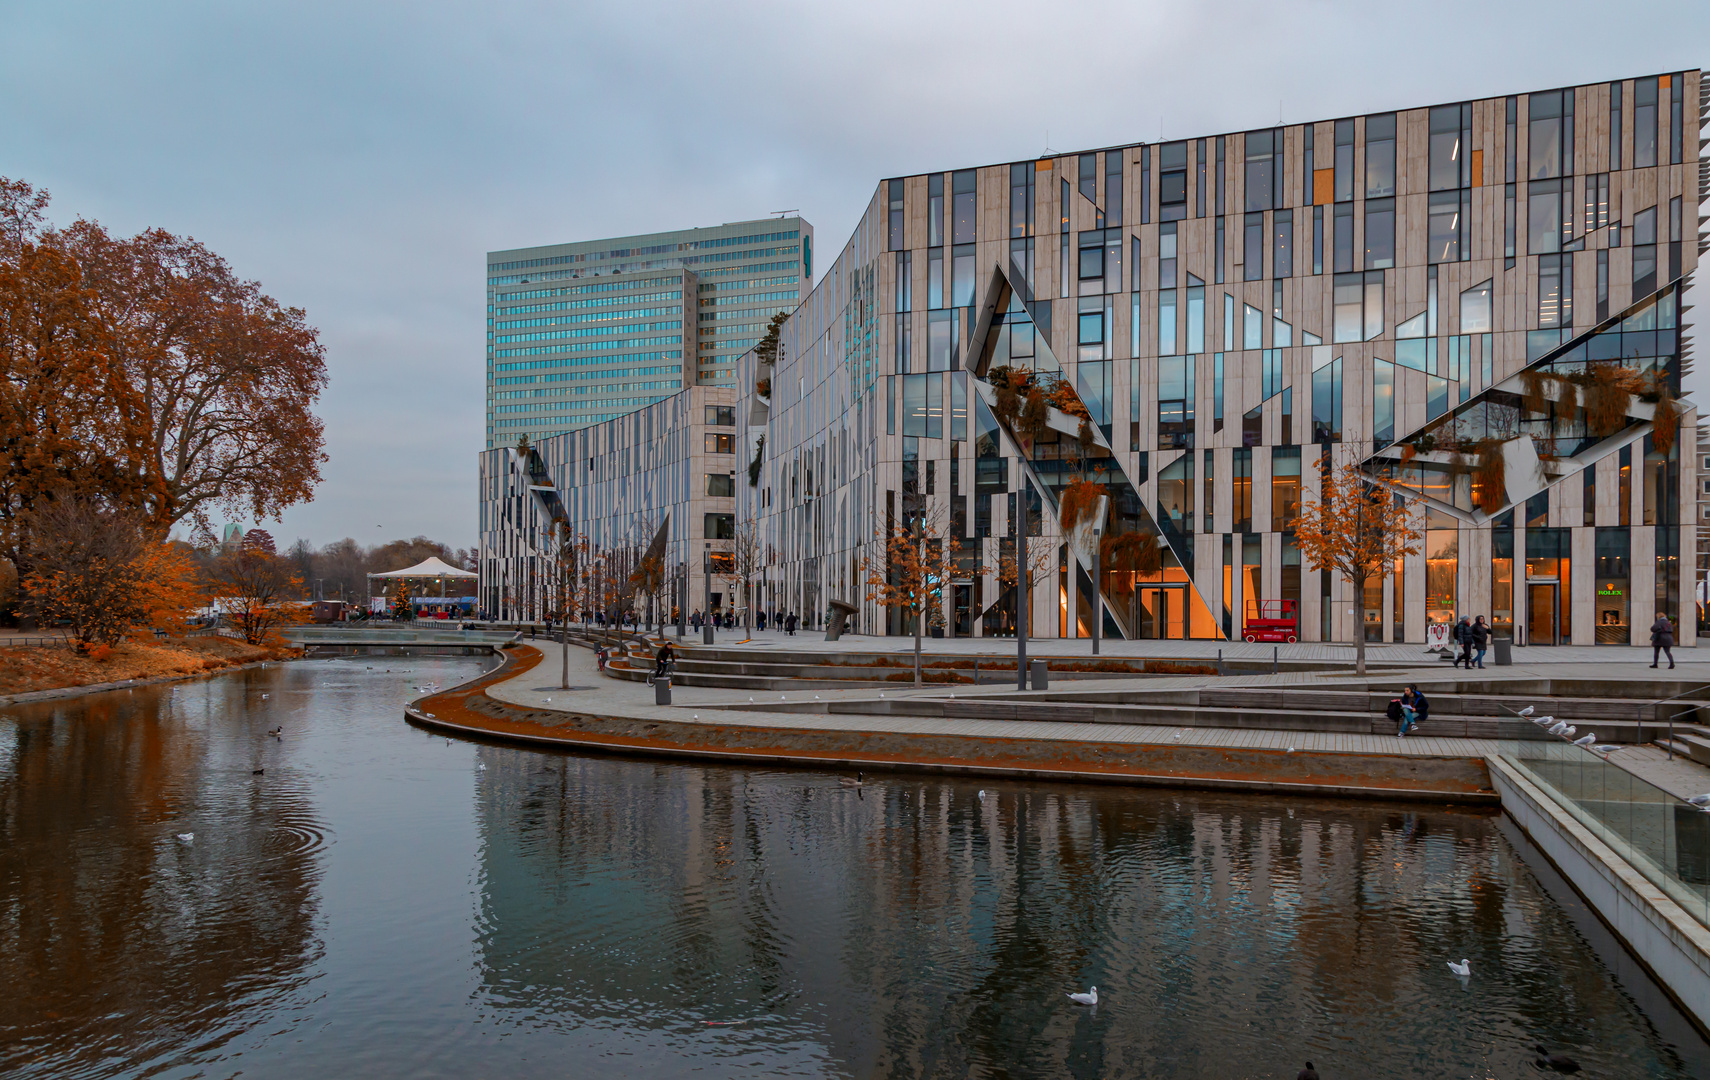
(1463, 638)
(790, 625)
(695, 619)
(760, 620)
(1480, 640)
(1662, 641)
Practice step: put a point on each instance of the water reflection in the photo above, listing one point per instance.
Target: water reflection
(384, 902)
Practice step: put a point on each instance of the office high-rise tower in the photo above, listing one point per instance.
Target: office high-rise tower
(581, 333)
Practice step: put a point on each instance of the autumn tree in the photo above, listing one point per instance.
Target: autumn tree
(919, 562)
(98, 571)
(1041, 567)
(195, 388)
(1356, 528)
(403, 600)
(253, 589)
(66, 410)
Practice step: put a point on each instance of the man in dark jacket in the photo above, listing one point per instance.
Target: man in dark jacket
(1462, 636)
(1662, 641)
(1480, 640)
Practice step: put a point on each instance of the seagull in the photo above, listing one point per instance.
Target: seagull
(1463, 969)
(1606, 748)
(1527, 711)
(1088, 998)
(1586, 740)
(481, 766)
(846, 782)
(264, 697)
(982, 794)
(186, 837)
(1291, 749)
(1569, 733)
(1544, 721)
(1558, 727)
(1700, 800)
(1559, 1062)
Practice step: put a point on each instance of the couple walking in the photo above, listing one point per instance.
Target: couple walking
(1470, 636)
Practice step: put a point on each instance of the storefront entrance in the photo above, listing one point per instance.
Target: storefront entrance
(1163, 611)
(1543, 613)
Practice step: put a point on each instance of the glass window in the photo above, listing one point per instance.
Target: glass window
(962, 294)
(1383, 402)
(721, 415)
(1327, 402)
(1261, 168)
(1166, 321)
(1644, 123)
(1167, 256)
(1317, 239)
(935, 277)
(1285, 487)
(1380, 156)
(1195, 314)
(1547, 134)
(1347, 321)
(905, 281)
(1676, 126)
(1544, 216)
(894, 227)
(1021, 194)
(1344, 238)
(962, 188)
(941, 340)
(1175, 402)
(1645, 252)
(1555, 291)
(1199, 197)
(1175, 494)
(1344, 160)
(1282, 244)
(1113, 187)
(1380, 234)
(1476, 309)
(1252, 327)
(1088, 185)
(720, 527)
(1145, 185)
(1615, 125)
(1253, 250)
(1446, 149)
(1444, 227)
(935, 210)
(721, 485)
(1374, 304)
(1613, 559)
(1241, 489)
(1172, 181)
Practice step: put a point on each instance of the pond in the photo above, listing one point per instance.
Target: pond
(380, 901)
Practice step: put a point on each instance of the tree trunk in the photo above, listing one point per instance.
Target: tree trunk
(919, 617)
(564, 642)
(1359, 587)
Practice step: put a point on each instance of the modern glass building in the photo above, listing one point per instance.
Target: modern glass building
(582, 333)
(1476, 302)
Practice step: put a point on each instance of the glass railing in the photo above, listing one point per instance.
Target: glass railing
(1662, 837)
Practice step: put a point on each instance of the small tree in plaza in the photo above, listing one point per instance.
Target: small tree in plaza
(1356, 528)
(918, 564)
(747, 558)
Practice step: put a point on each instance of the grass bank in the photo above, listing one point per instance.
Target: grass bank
(29, 669)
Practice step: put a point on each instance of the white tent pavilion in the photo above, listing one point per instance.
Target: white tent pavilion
(430, 569)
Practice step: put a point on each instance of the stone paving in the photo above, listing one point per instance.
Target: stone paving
(602, 695)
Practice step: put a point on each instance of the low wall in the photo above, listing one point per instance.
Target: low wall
(1672, 945)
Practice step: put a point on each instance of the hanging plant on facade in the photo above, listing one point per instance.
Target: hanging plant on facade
(1079, 502)
(763, 387)
(1665, 422)
(1490, 480)
(1132, 553)
(1608, 392)
(754, 466)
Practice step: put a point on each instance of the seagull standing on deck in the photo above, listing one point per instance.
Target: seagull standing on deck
(1527, 711)
(1088, 998)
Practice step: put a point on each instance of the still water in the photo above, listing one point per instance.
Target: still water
(382, 902)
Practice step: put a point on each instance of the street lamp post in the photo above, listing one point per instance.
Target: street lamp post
(682, 576)
(1098, 596)
(706, 618)
(1021, 583)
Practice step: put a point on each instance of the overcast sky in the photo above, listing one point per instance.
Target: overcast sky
(360, 159)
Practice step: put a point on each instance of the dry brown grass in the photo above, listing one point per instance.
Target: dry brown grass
(24, 670)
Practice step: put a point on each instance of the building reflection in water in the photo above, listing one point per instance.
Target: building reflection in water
(914, 929)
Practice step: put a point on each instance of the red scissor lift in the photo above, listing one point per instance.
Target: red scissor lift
(1277, 621)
